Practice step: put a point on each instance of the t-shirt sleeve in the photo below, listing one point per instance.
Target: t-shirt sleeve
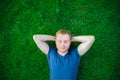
(76, 53)
(50, 52)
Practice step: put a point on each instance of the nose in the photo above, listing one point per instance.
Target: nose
(62, 44)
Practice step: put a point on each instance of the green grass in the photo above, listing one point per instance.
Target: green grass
(20, 58)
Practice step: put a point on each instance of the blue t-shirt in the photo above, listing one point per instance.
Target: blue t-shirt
(63, 67)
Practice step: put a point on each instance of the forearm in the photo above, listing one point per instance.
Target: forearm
(44, 37)
(83, 38)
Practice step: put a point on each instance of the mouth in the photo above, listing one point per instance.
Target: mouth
(63, 48)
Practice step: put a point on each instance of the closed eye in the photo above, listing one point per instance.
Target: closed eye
(60, 41)
(66, 41)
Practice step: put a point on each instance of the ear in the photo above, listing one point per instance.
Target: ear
(55, 39)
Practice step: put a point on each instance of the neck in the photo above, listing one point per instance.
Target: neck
(62, 53)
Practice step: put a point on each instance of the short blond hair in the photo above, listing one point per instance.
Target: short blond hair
(62, 31)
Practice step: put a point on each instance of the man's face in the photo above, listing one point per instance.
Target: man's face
(63, 42)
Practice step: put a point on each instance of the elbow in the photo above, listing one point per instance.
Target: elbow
(34, 37)
(92, 38)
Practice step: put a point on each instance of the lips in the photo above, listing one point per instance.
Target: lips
(63, 48)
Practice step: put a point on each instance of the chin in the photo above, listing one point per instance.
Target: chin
(63, 51)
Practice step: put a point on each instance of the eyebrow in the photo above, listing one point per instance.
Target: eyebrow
(66, 40)
(63, 40)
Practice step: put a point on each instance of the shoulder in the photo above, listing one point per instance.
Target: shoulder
(74, 54)
(51, 51)
(74, 51)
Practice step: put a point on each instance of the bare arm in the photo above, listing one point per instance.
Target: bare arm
(40, 41)
(86, 43)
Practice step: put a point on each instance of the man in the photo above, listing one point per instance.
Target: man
(63, 61)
